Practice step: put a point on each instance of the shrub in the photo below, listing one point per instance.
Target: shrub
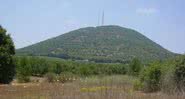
(57, 68)
(179, 75)
(23, 78)
(168, 76)
(50, 77)
(167, 81)
(151, 78)
(174, 76)
(23, 70)
(39, 66)
(135, 67)
(84, 70)
(66, 77)
(119, 69)
(138, 85)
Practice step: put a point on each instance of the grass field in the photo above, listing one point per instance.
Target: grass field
(95, 87)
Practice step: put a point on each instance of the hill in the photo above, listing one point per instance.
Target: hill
(99, 44)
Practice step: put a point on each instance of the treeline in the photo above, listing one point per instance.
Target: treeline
(96, 60)
(27, 66)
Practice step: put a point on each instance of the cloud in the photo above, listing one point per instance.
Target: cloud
(146, 11)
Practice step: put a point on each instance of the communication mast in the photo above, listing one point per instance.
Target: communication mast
(101, 19)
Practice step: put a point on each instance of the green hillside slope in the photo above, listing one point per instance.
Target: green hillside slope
(99, 44)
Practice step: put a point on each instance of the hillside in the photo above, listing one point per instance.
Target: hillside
(99, 44)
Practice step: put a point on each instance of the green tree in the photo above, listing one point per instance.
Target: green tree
(135, 67)
(7, 50)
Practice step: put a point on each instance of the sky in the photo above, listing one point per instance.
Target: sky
(32, 21)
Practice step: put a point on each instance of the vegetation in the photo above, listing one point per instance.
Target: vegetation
(104, 44)
(179, 75)
(27, 66)
(50, 77)
(135, 67)
(7, 50)
(123, 46)
(167, 76)
(151, 77)
(94, 87)
(23, 70)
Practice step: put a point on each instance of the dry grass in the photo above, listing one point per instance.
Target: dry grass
(111, 87)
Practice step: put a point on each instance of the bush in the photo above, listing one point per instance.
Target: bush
(168, 76)
(57, 68)
(151, 78)
(39, 66)
(84, 70)
(179, 75)
(66, 77)
(135, 67)
(22, 78)
(138, 85)
(167, 81)
(119, 69)
(23, 70)
(50, 77)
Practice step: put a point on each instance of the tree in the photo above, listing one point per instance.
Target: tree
(7, 50)
(135, 67)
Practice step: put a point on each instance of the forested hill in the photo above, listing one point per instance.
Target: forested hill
(99, 44)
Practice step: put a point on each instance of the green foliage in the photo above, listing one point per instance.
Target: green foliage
(173, 75)
(23, 70)
(39, 66)
(151, 78)
(135, 67)
(66, 77)
(7, 50)
(138, 85)
(168, 76)
(179, 74)
(57, 68)
(32, 66)
(120, 45)
(50, 77)
(85, 70)
(168, 84)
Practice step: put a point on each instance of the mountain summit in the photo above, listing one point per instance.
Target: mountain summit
(99, 44)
